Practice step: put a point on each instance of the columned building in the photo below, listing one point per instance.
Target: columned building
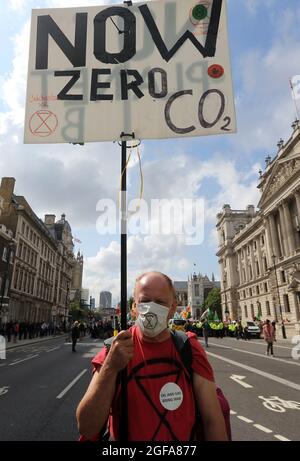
(42, 270)
(259, 251)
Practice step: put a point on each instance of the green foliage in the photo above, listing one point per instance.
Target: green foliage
(213, 301)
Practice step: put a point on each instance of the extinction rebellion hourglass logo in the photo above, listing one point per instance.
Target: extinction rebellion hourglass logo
(43, 123)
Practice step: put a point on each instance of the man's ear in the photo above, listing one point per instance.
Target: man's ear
(172, 309)
(134, 310)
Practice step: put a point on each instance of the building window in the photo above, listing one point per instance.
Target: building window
(250, 291)
(255, 245)
(244, 292)
(248, 250)
(257, 289)
(257, 269)
(16, 279)
(268, 308)
(23, 227)
(252, 311)
(251, 273)
(266, 287)
(265, 264)
(197, 290)
(246, 311)
(31, 235)
(286, 303)
(4, 254)
(259, 313)
(283, 277)
(27, 231)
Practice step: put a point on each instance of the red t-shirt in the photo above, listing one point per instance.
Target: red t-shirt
(160, 399)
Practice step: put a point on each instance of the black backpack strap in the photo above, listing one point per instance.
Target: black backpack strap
(183, 346)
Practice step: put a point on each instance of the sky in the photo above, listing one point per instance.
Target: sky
(264, 40)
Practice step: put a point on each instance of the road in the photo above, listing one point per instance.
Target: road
(39, 395)
(253, 418)
(41, 385)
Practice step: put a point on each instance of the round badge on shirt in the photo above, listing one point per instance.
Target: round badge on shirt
(171, 396)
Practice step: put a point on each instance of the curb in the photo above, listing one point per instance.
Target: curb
(34, 342)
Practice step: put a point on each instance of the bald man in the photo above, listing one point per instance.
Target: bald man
(161, 402)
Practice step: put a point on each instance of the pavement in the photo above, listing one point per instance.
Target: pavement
(42, 383)
(25, 342)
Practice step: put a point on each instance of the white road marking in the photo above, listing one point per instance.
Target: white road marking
(54, 349)
(23, 360)
(233, 412)
(262, 428)
(238, 379)
(280, 437)
(245, 419)
(291, 362)
(261, 344)
(71, 384)
(4, 390)
(285, 382)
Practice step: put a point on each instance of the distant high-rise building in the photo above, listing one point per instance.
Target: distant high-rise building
(85, 295)
(92, 303)
(105, 299)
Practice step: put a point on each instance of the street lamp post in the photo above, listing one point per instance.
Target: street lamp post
(280, 309)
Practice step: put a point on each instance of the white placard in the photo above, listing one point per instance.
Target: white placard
(157, 69)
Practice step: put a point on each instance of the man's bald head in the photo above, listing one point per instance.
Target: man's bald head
(154, 286)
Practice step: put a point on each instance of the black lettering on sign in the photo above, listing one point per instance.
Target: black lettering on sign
(224, 127)
(75, 53)
(95, 84)
(134, 85)
(168, 116)
(208, 50)
(164, 83)
(129, 47)
(204, 123)
(63, 95)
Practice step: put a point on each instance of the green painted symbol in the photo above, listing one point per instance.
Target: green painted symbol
(199, 12)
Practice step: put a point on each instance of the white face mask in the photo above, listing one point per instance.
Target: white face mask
(152, 318)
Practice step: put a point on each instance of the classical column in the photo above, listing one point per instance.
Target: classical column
(274, 236)
(269, 243)
(284, 232)
(297, 308)
(297, 197)
(259, 257)
(289, 227)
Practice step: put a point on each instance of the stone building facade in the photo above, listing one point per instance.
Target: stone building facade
(194, 292)
(7, 252)
(198, 288)
(259, 251)
(42, 271)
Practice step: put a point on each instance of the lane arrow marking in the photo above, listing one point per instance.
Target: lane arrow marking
(238, 379)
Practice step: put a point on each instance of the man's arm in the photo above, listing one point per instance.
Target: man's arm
(209, 407)
(93, 410)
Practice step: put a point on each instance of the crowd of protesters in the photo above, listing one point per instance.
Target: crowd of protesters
(17, 331)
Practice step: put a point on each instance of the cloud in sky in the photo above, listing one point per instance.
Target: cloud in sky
(73, 179)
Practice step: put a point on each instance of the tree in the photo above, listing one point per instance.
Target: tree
(213, 301)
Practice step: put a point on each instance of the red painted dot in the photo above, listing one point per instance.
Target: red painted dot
(215, 71)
